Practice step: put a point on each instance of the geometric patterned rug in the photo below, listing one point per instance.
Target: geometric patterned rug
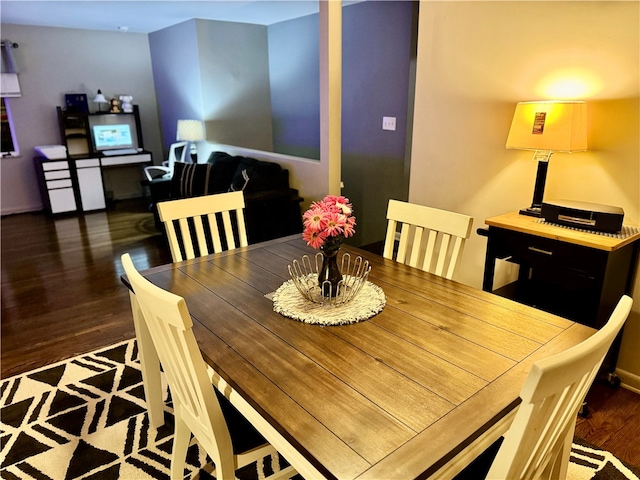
(588, 461)
(86, 418)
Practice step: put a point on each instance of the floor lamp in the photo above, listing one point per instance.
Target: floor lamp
(547, 127)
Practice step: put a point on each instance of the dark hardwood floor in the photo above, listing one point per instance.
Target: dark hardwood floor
(614, 422)
(62, 296)
(61, 289)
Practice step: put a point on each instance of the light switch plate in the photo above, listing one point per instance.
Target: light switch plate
(388, 123)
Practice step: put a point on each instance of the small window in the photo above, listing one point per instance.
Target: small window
(9, 143)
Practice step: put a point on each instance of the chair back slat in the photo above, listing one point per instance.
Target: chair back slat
(415, 253)
(404, 243)
(196, 235)
(228, 230)
(242, 228)
(387, 251)
(442, 257)
(174, 243)
(215, 233)
(427, 263)
(430, 238)
(538, 443)
(201, 239)
(185, 233)
(456, 253)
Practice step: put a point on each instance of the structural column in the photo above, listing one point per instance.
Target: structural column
(331, 91)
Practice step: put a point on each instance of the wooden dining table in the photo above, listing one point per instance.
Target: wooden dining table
(415, 391)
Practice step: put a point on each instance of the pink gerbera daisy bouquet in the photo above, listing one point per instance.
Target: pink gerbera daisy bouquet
(328, 222)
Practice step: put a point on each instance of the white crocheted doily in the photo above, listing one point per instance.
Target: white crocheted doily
(288, 301)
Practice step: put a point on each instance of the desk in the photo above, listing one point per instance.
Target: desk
(436, 374)
(77, 184)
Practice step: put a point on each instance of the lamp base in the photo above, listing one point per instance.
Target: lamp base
(531, 211)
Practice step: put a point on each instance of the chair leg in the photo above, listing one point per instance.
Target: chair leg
(584, 410)
(181, 439)
(150, 366)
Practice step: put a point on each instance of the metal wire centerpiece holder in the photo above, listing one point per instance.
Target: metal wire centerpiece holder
(304, 275)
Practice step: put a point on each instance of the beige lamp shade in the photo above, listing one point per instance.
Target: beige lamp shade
(556, 126)
(191, 130)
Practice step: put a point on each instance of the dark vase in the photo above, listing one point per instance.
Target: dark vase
(329, 272)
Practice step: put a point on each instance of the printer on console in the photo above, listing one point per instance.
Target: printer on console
(584, 215)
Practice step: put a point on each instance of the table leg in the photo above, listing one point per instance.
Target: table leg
(149, 365)
(489, 267)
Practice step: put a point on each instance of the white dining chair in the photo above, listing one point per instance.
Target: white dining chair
(177, 153)
(202, 225)
(430, 239)
(538, 442)
(215, 424)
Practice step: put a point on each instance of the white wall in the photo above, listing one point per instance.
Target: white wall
(476, 60)
(234, 68)
(55, 61)
(200, 73)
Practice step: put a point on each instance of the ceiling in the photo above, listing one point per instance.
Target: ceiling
(149, 16)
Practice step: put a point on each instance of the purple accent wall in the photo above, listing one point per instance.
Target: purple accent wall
(375, 76)
(176, 75)
(376, 59)
(294, 75)
(378, 50)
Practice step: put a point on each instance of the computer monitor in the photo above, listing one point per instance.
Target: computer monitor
(113, 131)
(107, 137)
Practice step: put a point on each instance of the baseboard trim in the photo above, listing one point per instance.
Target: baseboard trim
(127, 196)
(629, 380)
(20, 209)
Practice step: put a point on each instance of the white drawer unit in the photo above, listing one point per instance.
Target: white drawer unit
(62, 200)
(56, 185)
(56, 175)
(55, 165)
(88, 163)
(90, 184)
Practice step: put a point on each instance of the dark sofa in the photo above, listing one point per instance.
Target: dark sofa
(272, 208)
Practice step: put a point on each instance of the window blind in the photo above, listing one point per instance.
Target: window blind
(9, 84)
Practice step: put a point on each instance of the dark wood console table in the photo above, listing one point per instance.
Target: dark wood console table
(573, 273)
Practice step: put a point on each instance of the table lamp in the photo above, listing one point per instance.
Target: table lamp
(99, 99)
(191, 131)
(547, 127)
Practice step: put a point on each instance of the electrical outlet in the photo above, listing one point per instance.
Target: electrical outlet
(388, 123)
